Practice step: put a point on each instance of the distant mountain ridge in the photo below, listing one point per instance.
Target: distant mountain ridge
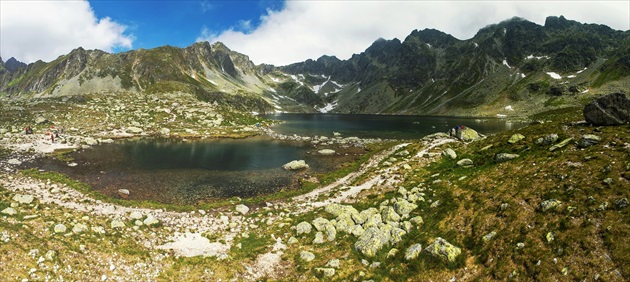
(515, 62)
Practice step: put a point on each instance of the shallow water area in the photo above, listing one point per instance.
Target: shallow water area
(189, 172)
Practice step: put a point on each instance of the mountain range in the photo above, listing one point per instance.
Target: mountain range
(513, 67)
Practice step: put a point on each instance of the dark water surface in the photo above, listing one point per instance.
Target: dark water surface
(174, 171)
(381, 126)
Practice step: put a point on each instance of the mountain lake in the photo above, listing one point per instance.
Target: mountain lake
(190, 172)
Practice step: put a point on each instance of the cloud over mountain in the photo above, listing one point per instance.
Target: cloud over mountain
(33, 30)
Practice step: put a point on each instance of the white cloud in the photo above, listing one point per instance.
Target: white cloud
(33, 30)
(309, 29)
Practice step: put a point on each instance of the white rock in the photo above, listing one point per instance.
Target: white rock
(60, 228)
(9, 211)
(243, 209)
(135, 215)
(14, 162)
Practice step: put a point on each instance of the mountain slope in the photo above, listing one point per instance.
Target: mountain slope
(515, 67)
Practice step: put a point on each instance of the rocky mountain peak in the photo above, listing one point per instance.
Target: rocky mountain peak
(13, 65)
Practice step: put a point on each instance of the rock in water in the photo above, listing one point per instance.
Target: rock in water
(612, 109)
(326, 152)
(443, 249)
(295, 165)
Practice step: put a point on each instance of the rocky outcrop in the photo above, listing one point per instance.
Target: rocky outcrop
(612, 109)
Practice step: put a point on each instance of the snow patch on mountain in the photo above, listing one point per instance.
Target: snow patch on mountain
(554, 75)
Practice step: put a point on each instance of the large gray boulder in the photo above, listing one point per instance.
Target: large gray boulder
(465, 133)
(612, 109)
(442, 249)
(372, 240)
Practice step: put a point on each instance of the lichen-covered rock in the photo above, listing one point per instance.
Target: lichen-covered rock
(392, 253)
(465, 134)
(344, 223)
(549, 204)
(442, 249)
(325, 271)
(389, 215)
(134, 130)
(489, 236)
(516, 138)
(588, 140)
(319, 238)
(357, 230)
(504, 157)
(449, 153)
(403, 207)
(295, 165)
(320, 223)
(372, 240)
(413, 251)
(335, 263)
(331, 232)
(561, 145)
(396, 235)
(547, 140)
(417, 220)
(90, 141)
(292, 240)
(373, 221)
(306, 256)
(135, 215)
(303, 228)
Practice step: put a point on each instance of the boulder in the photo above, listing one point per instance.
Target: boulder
(465, 162)
(135, 215)
(90, 141)
(413, 251)
(389, 215)
(134, 130)
(79, 228)
(59, 228)
(123, 193)
(326, 152)
(165, 131)
(320, 223)
(306, 256)
(117, 224)
(449, 153)
(561, 144)
(295, 165)
(325, 271)
(396, 235)
(23, 199)
(442, 249)
(547, 140)
(372, 240)
(150, 221)
(9, 211)
(588, 140)
(503, 157)
(403, 207)
(489, 236)
(14, 162)
(611, 109)
(303, 228)
(243, 209)
(516, 138)
(41, 120)
(465, 133)
(319, 238)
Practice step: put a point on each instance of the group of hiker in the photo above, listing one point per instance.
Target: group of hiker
(53, 132)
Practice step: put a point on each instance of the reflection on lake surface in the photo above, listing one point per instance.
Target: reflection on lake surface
(381, 126)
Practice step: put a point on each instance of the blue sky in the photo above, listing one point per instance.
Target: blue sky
(178, 23)
(268, 31)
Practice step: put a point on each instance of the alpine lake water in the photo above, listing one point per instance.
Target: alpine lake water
(174, 171)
